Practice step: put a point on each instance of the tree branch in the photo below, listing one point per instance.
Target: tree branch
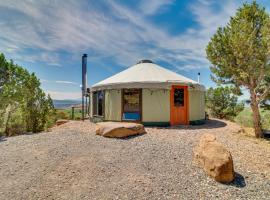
(264, 95)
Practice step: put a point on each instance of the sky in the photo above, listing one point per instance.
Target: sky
(48, 37)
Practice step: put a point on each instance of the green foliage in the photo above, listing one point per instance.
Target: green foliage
(67, 113)
(222, 103)
(24, 106)
(244, 118)
(62, 114)
(239, 53)
(265, 104)
(3, 71)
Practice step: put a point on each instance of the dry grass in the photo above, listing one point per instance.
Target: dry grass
(247, 133)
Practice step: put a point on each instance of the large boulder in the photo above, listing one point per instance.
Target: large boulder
(119, 129)
(214, 158)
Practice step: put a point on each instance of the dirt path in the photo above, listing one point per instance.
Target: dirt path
(71, 162)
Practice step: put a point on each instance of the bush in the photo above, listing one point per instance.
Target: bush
(222, 103)
(244, 118)
(61, 114)
(15, 125)
(24, 106)
(77, 118)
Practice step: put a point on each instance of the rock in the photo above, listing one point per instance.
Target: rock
(119, 129)
(241, 130)
(214, 158)
(61, 121)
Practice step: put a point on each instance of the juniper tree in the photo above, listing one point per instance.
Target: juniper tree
(3, 71)
(223, 103)
(22, 99)
(240, 52)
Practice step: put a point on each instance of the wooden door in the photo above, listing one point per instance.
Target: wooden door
(179, 105)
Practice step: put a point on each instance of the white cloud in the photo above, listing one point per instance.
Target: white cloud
(189, 67)
(58, 81)
(210, 18)
(67, 82)
(121, 33)
(151, 7)
(64, 95)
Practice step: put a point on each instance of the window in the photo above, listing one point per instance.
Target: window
(98, 103)
(94, 103)
(179, 97)
(131, 104)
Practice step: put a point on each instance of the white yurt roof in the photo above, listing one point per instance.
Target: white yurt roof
(145, 74)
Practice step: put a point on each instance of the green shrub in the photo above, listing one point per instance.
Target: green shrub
(222, 103)
(24, 106)
(62, 114)
(265, 118)
(15, 125)
(244, 118)
(77, 118)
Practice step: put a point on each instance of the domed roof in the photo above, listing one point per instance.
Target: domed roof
(145, 74)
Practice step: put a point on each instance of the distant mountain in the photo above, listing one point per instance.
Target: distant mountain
(65, 103)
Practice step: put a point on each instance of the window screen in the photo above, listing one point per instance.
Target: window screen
(179, 97)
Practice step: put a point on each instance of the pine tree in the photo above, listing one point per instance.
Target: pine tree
(240, 52)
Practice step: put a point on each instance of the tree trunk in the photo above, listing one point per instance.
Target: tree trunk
(6, 120)
(256, 115)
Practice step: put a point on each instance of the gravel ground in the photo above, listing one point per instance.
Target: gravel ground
(71, 162)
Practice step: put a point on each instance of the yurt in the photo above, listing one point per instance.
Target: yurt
(149, 94)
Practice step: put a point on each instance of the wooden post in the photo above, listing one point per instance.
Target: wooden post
(89, 104)
(86, 105)
(82, 105)
(72, 113)
(84, 81)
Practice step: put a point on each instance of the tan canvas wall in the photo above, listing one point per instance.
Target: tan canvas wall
(113, 105)
(155, 105)
(196, 105)
(91, 104)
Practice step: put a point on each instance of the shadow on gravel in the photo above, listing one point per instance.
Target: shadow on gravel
(239, 181)
(266, 134)
(131, 137)
(3, 139)
(31, 133)
(210, 124)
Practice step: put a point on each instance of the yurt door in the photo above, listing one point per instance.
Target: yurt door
(179, 105)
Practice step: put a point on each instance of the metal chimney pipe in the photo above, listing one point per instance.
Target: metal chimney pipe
(84, 81)
(199, 74)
